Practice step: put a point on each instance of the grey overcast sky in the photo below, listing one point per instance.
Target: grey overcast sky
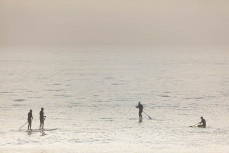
(114, 22)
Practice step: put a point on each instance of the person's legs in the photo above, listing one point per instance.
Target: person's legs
(29, 125)
(41, 124)
(140, 114)
(201, 126)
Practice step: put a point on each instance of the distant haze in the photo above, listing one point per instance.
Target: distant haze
(113, 22)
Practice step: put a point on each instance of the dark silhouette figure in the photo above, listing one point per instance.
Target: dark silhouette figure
(30, 117)
(140, 107)
(202, 123)
(42, 118)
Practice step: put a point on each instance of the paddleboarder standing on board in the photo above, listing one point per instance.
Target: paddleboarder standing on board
(140, 107)
(202, 123)
(42, 118)
(30, 117)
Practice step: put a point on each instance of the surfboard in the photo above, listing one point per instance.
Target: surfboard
(197, 127)
(39, 130)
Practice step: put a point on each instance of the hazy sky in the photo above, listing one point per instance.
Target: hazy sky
(114, 22)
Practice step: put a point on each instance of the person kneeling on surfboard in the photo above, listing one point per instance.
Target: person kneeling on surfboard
(30, 117)
(140, 107)
(202, 123)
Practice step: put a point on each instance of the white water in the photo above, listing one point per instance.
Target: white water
(90, 97)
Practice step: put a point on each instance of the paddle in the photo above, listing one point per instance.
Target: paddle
(22, 126)
(194, 125)
(147, 115)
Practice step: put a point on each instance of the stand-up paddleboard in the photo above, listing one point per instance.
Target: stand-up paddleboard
(38, 130)
(197, 126)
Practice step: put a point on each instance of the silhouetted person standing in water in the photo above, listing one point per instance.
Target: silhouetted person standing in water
(202, 123)
(30, 117)
(140, 107)
(42, 118)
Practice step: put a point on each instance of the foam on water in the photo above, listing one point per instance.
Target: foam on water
(90, 96)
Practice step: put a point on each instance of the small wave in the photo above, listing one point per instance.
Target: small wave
(81, 98)
(99, 101)
(93, 106)
(107, 119)
(109, 78)
(165, 96)
(16, 105)
(75, 141)
(35, 97)
(63, 96)
(199, 98)
(5, 92)
(194, 98)
(54, 90)
(56, 84)
(115, 84)
(19, 100)
(29, 91)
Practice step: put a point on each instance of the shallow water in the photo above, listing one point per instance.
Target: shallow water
(89, 96)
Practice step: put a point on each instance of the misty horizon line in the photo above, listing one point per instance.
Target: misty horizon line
(109, 47)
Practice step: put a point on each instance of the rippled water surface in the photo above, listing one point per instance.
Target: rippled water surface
(89, 97)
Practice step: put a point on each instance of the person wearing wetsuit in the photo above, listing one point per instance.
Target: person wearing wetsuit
(30, 117)
(202, 123)
(140, 107)
(42, 118)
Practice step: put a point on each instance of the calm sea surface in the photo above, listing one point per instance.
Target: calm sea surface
(89, 98)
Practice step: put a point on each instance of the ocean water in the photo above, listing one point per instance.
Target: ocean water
(89, 98)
